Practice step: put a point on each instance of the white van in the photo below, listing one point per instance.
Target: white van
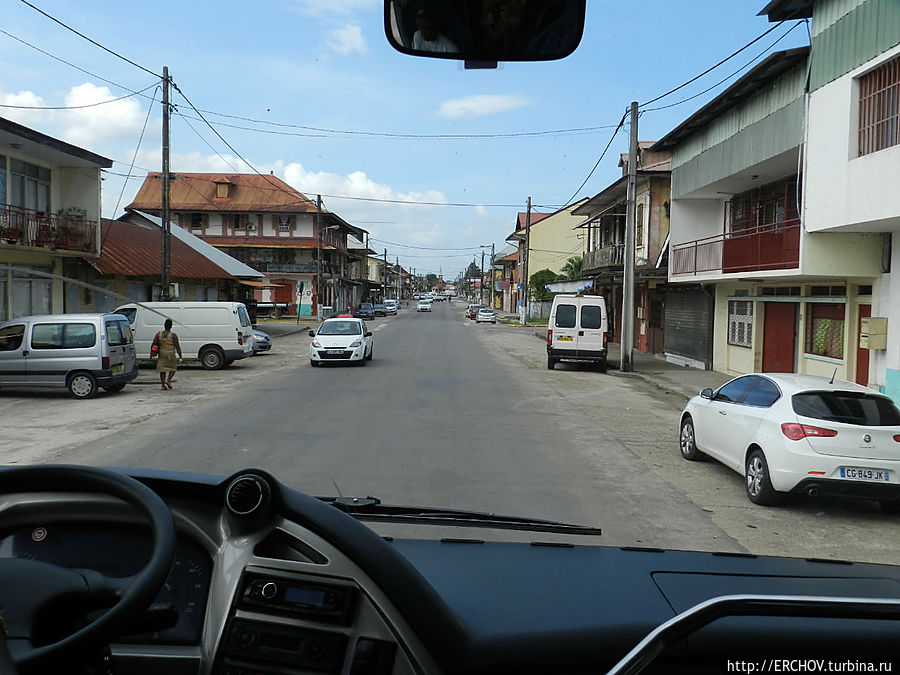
(577, 330)
(81, 352)
(216, 333)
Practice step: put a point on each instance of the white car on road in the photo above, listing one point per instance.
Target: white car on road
(799, 434)
(423, 306)
(485, 315)
(341, 339)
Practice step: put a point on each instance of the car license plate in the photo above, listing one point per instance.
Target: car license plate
(118, 368)
(334, 351)
(564, 338)
(854, 473)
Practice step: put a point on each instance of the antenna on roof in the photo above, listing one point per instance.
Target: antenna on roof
(831, 381)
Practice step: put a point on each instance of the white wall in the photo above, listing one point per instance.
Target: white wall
(692, 219)
(841, 188)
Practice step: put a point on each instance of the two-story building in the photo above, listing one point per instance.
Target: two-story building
(769, 290)
(604, 245)
(265, 223)
(49, 213)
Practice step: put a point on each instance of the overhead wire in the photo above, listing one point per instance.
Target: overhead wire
(134, 158)
(77, 107)
(571, 199)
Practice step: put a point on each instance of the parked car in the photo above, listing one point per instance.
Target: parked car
(485, 315)
(472, 311)
(215, 333)
(341, 340)
(262, 342)
(391, 307)
(81, 352)
(799, 434)
(380, 309)
(577, 330)
(423, 306)
(365, 311)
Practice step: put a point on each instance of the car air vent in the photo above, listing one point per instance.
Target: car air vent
(246, 495)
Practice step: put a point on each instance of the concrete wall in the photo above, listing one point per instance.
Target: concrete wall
(553, 242)
(841, 188)
(696, 218)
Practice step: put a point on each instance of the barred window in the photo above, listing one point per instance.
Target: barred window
(825, 329)
(879, 108)
(740, 323)
(639, 226)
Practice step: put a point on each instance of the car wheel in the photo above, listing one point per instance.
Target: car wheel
(891, 506)
(212, 358)
(82, 385)
(687, 440)
(550, 362)
(758, 484)
(114, 388)
(371, 354)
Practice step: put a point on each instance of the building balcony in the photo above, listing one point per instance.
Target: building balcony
(608, 256)
(61, 232)
(774, 246)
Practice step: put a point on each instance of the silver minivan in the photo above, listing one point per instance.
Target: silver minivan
(81, 352)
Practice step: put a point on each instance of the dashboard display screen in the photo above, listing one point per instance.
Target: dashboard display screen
(121, 550)
(305, 596)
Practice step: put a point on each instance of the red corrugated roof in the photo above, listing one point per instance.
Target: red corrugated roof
(135, 251)
(535, 218)
(197, 192)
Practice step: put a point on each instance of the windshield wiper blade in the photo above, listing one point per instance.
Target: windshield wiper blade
(371, 509)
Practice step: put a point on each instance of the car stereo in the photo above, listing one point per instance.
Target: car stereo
(330, 603)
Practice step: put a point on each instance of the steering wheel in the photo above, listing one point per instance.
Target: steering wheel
(30, 587)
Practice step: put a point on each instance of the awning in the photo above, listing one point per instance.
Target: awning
(260, 284)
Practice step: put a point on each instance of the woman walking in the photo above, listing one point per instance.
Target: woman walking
(167, 342)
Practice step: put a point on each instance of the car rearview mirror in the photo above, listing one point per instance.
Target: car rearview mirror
(368, 333)
(487, 32)
(311, 333)
(706, 393)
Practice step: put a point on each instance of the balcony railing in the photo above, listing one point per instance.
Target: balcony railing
(766, 247)
(64, 232)
(608, 256)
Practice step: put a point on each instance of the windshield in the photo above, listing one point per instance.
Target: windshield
(314, 170)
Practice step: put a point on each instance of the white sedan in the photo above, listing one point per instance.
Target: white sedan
(799, 434)
(485, 315)
(341, 339)
(423, 306)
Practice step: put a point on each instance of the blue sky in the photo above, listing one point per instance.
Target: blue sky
(327, 64)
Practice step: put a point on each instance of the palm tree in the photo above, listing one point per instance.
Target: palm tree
(572, 269)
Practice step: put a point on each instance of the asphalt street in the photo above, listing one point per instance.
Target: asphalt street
(436, 418)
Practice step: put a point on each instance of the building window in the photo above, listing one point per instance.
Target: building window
(825, 329)
(639, 226)
(196, 222)
(29, 186)
(285, 223)
(740, 323)
(879, 108)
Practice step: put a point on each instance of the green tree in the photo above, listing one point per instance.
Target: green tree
(430, 280)
(537, 281)
(572, 269)
(473, 271)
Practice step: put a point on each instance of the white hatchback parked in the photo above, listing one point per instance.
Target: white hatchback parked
(799, 434)
(341, 339)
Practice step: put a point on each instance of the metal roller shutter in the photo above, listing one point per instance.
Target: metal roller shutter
(687, 324)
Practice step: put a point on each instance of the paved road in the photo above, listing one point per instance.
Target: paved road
(439, 417)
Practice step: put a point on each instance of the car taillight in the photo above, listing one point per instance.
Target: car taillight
(549, 337)
(797, 431)
(604, 339)
(897, 437)
(104, 363)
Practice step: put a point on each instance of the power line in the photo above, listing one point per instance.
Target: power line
(93, 42)
(423, 248)
(571, 199)
(711, 68)
(134, 158)
(725, 79)
(77, 107)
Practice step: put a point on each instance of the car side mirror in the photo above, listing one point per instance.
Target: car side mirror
(368, 333)
(706, 393)
(311, 333)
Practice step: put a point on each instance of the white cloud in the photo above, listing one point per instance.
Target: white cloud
(347, 39)
(27, 117)
(122, 119)
(482, 104)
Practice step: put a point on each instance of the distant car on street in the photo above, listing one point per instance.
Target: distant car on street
(798, 434)
(380, 309)
(345, 340)
(423, 306)
(262, 342)
(391, 306)
(365, 310)
(472, 311)
(485, 315)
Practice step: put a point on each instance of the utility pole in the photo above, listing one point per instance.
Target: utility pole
(481, 290)
(384, 278)
(491, 291)
(525, 264)
(319, 258)
(627, 342)
(166, 229)
(399, 279)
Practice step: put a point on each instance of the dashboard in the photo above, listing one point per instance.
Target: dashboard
(269, 581)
